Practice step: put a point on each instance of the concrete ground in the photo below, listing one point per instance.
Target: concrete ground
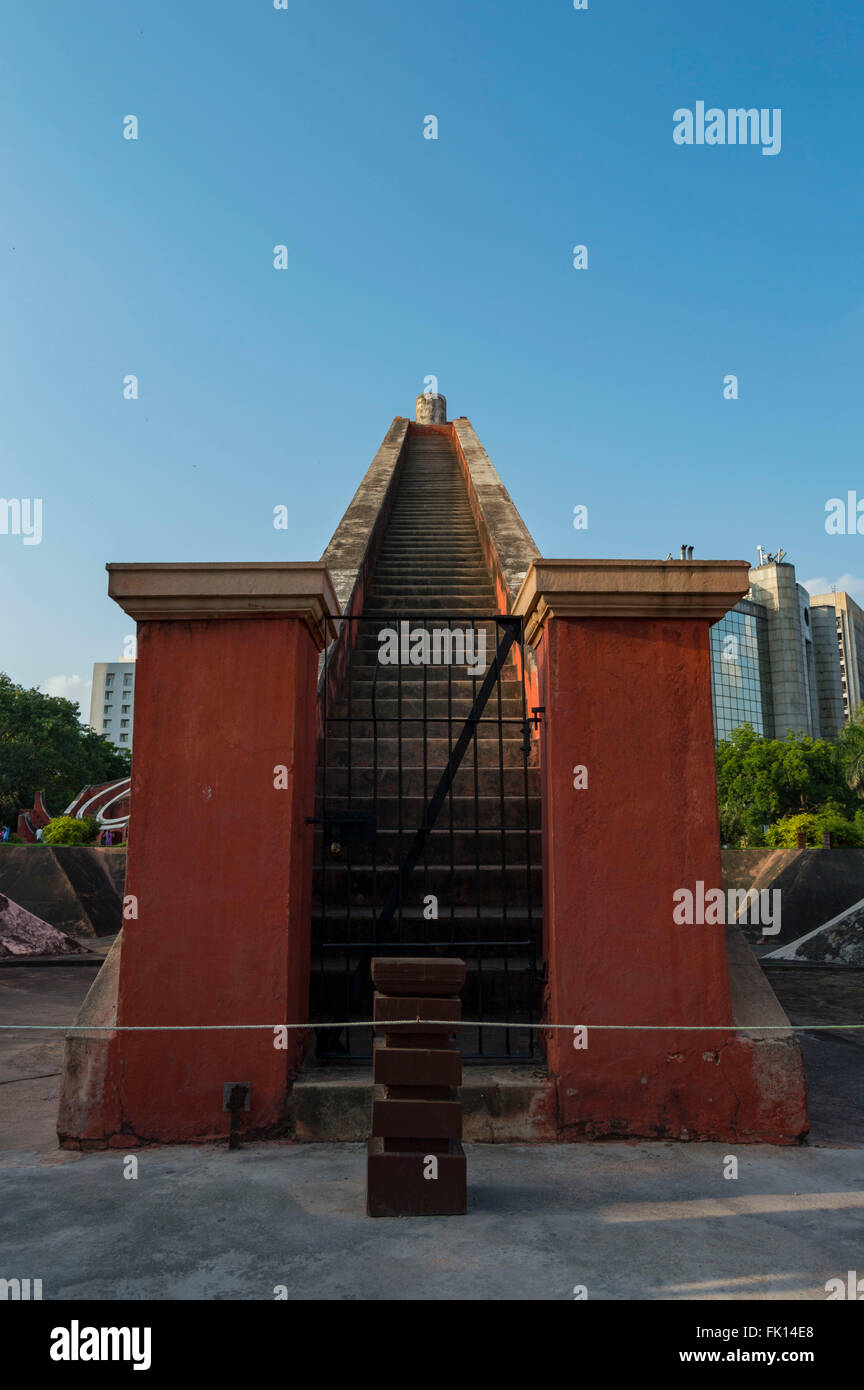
(655, 1221)
(627, 1221)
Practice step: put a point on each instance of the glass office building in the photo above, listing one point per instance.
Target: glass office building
(784, 660)
(740, 671)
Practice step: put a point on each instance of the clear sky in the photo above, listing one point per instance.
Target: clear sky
(408, 257)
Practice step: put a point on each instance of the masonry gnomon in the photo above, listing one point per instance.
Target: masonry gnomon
(427, 823)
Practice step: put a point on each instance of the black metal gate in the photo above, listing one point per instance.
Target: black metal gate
(428, 823)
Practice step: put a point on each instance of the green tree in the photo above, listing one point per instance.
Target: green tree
(850, 750)
(763, 780)
(45, 747)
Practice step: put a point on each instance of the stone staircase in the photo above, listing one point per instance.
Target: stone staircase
(389, 734)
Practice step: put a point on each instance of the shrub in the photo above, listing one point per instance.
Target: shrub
(68, 830)
(783, 834)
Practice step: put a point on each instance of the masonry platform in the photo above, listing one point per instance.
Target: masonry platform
(428, 809)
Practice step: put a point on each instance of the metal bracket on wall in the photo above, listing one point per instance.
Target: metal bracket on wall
(236, 1097)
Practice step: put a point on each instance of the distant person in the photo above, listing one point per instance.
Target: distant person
(39, 833)
(5, 834)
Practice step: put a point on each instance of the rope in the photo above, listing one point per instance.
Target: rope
(438, 1022)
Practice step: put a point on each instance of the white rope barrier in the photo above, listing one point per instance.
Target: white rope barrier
(437, 1022)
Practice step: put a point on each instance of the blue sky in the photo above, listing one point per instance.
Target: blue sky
(407, 257)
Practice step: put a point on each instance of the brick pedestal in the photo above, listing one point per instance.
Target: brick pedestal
(629, 818)
(219, 866)
(416, 1164)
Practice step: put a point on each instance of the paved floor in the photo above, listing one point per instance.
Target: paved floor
(655, 1221)
(30, 1063)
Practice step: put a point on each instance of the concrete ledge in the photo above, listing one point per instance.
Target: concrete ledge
(771, 1062)
(753, 999)
(227, 590)
(500, 1105)
(502, 529)
(349, 546)
(704, 589)
(90, 1115)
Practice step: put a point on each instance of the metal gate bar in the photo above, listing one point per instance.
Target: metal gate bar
(357, 913)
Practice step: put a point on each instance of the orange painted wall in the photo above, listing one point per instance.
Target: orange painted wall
(631, 700)
(221, 862)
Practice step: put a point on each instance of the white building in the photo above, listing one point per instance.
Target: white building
(112, 701)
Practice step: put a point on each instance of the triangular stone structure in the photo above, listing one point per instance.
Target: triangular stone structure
(838, 942)
(24, 934)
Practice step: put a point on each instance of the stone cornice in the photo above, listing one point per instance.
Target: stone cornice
(228, 590)
(704, 589)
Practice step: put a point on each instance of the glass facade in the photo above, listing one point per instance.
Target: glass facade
(739, 677)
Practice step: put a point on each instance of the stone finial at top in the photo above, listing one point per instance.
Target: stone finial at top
(431, 409)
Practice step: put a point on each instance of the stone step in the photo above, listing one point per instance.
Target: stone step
(427, 577)
(501, 1104)
(434, 540)
(468, 846)
(439, 559)
(492, 885)
(449, 616)
(470, 612)
(475, 928)
(410, 681)
(389, 714)
(390, 679)
(411, 584)
(430, 543)
(432, 528)
(513, 781)
(419, 588)
(489, 811)
(428, 604)
(432, 752)
(420, 558)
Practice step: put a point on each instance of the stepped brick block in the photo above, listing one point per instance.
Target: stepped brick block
(415, 1162)
(389, 1014)
(414, 1066)
(420, 977)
